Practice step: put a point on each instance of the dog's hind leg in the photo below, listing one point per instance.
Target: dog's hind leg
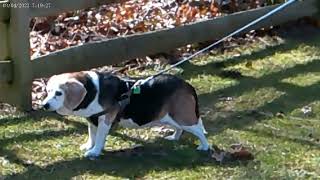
(184, 111)
(177, 129)
(198, 131)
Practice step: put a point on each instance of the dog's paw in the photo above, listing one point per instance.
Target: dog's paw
(171, 138)
(86, 146)
(91, 153)
(203, 148)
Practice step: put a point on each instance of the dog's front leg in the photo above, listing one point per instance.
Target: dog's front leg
(102, 131)
(92, 131)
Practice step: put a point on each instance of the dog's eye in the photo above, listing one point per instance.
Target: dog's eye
(58, 93)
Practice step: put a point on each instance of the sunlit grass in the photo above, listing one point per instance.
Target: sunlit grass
(304, 79)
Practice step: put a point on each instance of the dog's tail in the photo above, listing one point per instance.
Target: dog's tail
(194, 93)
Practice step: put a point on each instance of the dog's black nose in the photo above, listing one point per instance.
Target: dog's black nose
(46, 106)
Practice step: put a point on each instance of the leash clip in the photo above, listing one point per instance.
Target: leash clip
(136, 87)
(136, 90)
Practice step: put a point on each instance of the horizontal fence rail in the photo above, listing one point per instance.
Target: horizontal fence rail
(133, 46)
(54, 7)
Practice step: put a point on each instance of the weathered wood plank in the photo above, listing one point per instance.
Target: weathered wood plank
(4, 11)
(116, 50)
(5, 72)
(19, 91)
(4, 51)
(54, 7)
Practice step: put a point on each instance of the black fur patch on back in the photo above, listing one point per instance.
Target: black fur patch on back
(146, 106)
(111, 88)
(91, 92)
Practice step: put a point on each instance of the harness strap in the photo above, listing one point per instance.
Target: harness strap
(97, 115)
(123, 101)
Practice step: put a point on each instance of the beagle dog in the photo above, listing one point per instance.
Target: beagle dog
(165, 99)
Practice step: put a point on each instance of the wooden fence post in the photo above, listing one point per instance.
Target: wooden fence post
(6, 92)
(18, 91)
(20, 54)
(4, 52)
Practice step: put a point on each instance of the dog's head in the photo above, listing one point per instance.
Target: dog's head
(63, 93)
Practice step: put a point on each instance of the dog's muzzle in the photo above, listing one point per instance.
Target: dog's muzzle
(46, 106)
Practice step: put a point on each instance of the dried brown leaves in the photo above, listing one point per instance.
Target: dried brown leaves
(49, 34)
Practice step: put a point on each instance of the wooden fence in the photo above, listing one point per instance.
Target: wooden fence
(17, 70)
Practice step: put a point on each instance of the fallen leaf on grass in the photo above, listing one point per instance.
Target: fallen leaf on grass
(237, 153)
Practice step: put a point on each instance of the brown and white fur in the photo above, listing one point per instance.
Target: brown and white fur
(166, 99)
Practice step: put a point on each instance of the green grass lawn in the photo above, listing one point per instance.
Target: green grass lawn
(252, 94)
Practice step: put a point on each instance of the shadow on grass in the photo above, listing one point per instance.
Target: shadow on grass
(293, 98)
(44, 135)
(298, 140)
(214, 68)
(35, 116)
(115, 163)
(125, 163)
(157, 156)
(135, 162)
(160, 155)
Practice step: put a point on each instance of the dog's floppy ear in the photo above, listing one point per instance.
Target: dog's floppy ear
(74, 94)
